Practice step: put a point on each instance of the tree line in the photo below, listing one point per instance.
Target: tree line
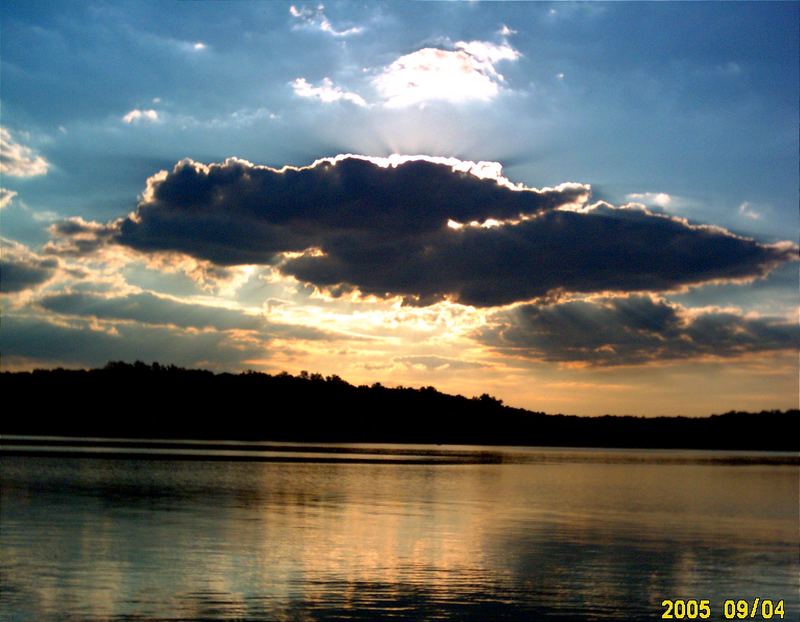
(138, 400)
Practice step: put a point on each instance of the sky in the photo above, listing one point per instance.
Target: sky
(584, 208)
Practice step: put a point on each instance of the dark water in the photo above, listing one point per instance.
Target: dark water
(391, 532)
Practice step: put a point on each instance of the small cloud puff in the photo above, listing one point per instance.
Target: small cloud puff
(730, 69)
(747, 210)
(137, 116)
(661, 199)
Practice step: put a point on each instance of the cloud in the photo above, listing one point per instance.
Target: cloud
(140, 116)
(84, 343)
(148, 308)
(187, 47)
(6, 196)
(435, 362)
(293, 210)
(76, 237)
(20, 269)
(602, 250)
(466, 73)
(314, 19)
(243, 117)
(632, 330)
(18, 160)
(747, 210)
(730, 69)
(90, 324)
(236, 119)
(426, 229)
(661, 199)
(327, 92)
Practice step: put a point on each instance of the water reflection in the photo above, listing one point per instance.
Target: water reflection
(593, 537)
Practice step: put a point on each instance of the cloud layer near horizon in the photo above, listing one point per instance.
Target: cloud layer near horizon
(425, 229)
(632, 330)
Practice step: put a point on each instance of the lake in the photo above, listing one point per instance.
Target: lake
(265, 531)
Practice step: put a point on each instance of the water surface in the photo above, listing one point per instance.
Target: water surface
(266, 531)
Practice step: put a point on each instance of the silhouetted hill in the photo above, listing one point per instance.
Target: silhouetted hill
(155, 401)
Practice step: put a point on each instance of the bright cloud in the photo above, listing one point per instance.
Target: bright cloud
(18, 160)
(662, 199)
(327, 92)
(136, 116)
(490, 53)
(315, 19)
(466, 73)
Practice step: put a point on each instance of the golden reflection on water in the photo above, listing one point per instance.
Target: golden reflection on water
(607, 538)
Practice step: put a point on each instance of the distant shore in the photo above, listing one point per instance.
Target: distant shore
(139, 401)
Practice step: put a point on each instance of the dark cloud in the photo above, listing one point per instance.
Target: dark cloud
(384, 231)
(235, 212)
(76, 237)
(150, 309)
(16, 276)
(21, 269)
(603, 250)
(632, 330)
